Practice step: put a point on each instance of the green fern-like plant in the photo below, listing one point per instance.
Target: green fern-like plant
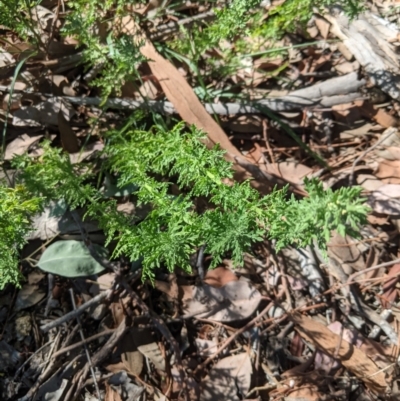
(116, 55)
(17, 208)
(237, 215)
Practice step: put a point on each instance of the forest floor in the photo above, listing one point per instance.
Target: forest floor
(293, 325)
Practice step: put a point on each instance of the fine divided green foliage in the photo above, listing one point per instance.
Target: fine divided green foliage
(17, 207)
(236, 215)
(170, 171)
(19, 16)
(116, 55)
(292, 14)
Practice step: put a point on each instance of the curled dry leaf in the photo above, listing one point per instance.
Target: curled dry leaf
(230, 376)
(237, 300)
(355, 360)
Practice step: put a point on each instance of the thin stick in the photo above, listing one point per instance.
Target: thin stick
(100, 356)
(96, 386)
(77, 312)
(271, 154)
(83, 342)
(26, 362)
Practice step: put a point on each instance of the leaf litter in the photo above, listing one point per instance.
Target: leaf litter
(294, 325)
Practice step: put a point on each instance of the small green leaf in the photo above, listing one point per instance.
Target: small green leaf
(71, 259)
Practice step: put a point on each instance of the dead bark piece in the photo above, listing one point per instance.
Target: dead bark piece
(367, 38)
(355, 360)
(331, 87)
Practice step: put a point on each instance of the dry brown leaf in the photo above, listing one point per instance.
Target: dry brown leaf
(28, 295)
(386, 200)
(54, 220)
(206, 348)
(256, 155)
(290, 171)
(60, 86)
(146, 343)
(219, 276)
(13, 102)
(88, 152)
(117, 313)
(130, 356)
(227, 377)
(323, 26)
(355, 360)
(191, 386)
(390, 153)
(305, 393)
(389, 171)
(383, 118)
(115, 367)
(43, 17)
(5, 58)
(347, 67)
(369, 182)
(148, 90)
(20, 145)
(111, 394)
(69, 140)
(169, 287)
(346, 251)
(105, 281)
(235, 301)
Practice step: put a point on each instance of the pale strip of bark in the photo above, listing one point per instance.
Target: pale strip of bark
(368, 39)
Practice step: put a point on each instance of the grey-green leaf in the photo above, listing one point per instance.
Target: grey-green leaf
(71, 259)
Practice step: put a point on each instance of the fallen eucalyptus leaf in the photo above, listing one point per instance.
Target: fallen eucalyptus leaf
(71, 259)
(230, 376)
(237, 300)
